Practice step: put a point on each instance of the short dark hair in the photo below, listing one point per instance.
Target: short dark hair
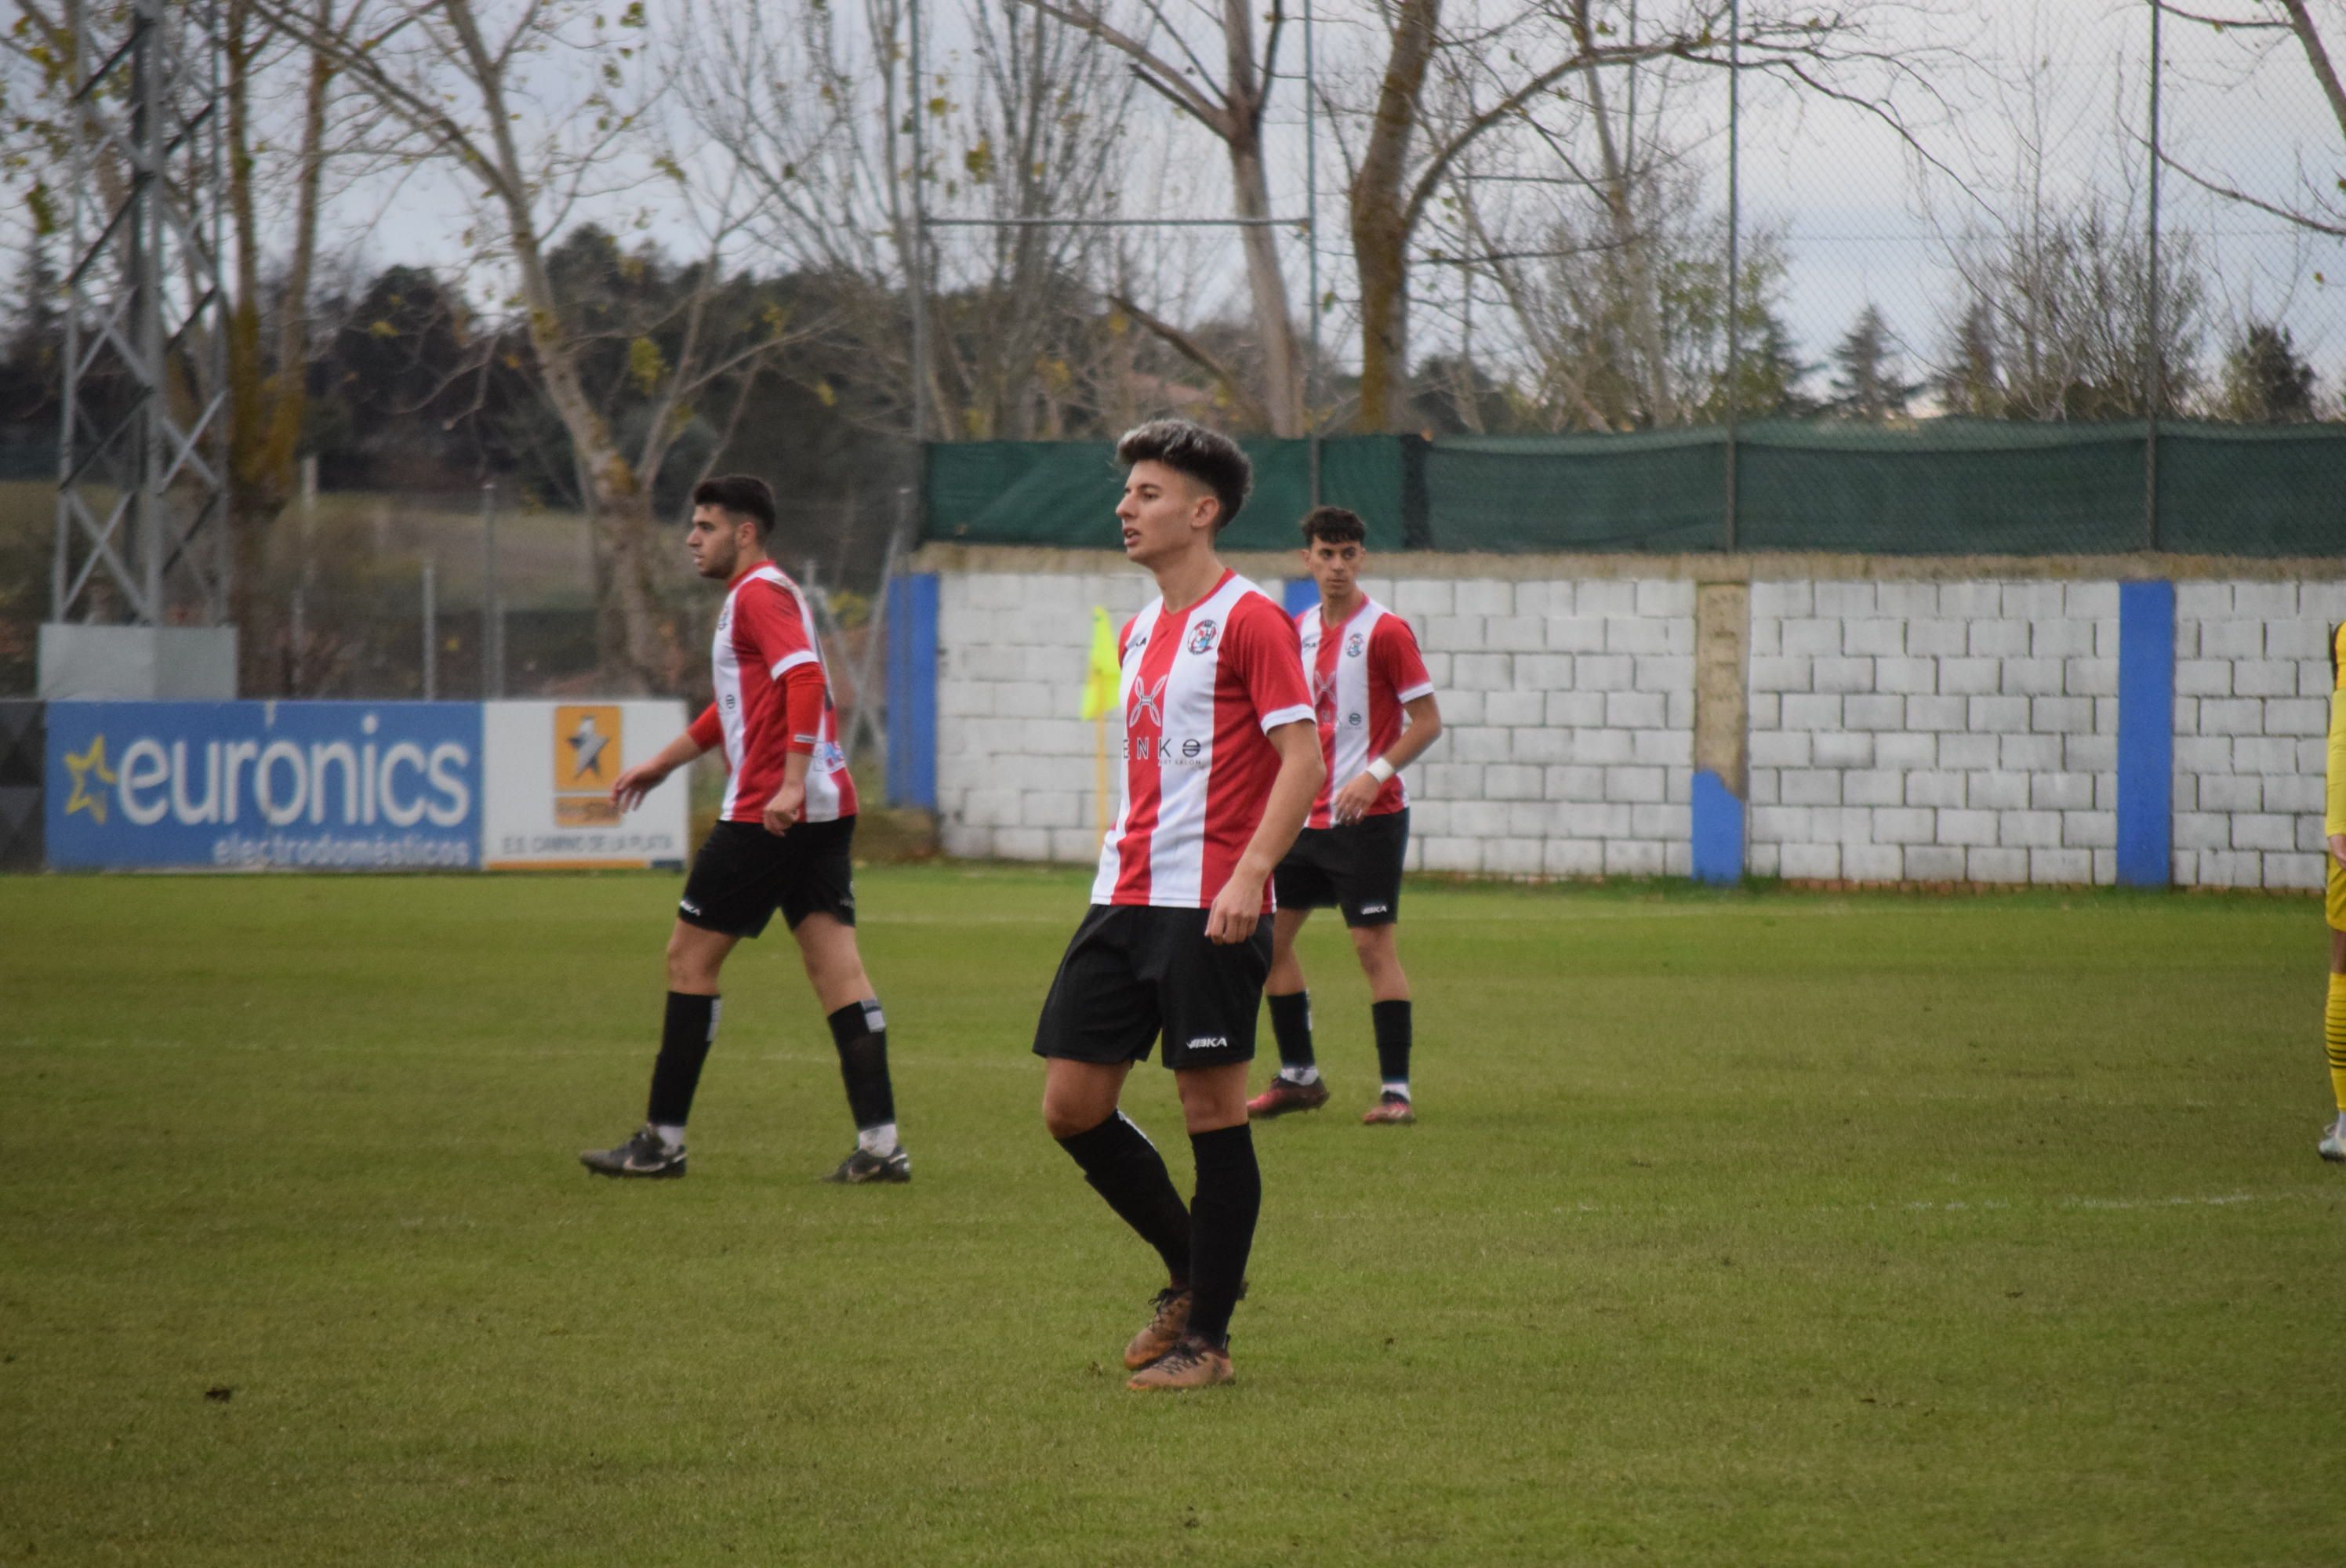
(743, 495)
(1334, 525)
(1213, 459)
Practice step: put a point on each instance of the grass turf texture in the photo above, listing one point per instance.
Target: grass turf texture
(1756, 1228)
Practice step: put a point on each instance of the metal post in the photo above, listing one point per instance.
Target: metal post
(916, 264)
(298, 633)
(2157, 347)
(1734, 254)
(1312, 248)
(492, 612)
(430, 631)
(144, 401)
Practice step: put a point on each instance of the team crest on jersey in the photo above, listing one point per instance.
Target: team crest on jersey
(1203, 639)
(1352, 648)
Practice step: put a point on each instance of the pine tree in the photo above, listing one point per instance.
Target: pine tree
(2265, 381)
(1866, 383)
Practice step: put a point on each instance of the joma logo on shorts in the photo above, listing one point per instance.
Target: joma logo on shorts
(1210, 1042)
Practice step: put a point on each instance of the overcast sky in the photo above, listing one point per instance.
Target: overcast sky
(1861, 227)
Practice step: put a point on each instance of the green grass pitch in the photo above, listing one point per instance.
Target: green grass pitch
(1739, 1228)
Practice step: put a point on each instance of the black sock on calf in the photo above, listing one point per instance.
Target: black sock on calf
(686, 1035)
(1124, 1167)
(1291, 1025)
(1390, 1021)
(860, 1032)
(1229, 1197)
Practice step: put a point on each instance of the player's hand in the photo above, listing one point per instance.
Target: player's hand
(2337, 849)
(628, 789)
(784, 811)
(1237, 909)
(1353, 801)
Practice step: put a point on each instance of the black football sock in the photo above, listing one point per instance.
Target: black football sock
(1229, 1196)
(1125, 1168)
(1291, 1025)
(685, 1038)
(1390, 1021)
(861, 1033)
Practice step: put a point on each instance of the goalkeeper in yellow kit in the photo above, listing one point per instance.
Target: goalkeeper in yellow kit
(2333, 832)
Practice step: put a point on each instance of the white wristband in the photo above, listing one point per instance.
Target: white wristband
(1380, 770)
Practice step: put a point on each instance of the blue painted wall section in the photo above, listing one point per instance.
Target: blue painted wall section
(1300, 595)
(1717, 830)
(2146, 734)
(913, 690)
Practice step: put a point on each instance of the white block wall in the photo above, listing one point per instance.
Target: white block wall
(2251, 715)
(1567, 711)
(1898, 731)
(1935, 732)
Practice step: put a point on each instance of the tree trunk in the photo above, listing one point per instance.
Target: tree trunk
(1381, 223)
(1274, 322)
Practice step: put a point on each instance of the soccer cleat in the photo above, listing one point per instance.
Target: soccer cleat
(643, 1155)
(1168, 1319)
(1390, 1109)
(1286, 1095)
(863, 1166)
(2332, 1146)
(1191, 1363)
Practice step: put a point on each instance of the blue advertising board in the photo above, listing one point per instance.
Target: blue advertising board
(247, 786)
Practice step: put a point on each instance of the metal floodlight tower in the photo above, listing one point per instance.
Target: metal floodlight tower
(142, 504)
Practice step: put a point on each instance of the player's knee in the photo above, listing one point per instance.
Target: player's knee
(1062, 1119)
(690, 968)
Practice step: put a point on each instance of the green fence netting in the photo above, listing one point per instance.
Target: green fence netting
(1945, 487)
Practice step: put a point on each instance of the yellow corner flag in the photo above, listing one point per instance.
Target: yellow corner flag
(1099, 682)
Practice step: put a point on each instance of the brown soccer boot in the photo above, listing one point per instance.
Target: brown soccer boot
(1391, 1109)
(1286, 1095)
(1167, 1321)
(1191, 1363)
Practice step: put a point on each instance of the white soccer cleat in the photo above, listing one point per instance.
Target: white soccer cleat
(2332, 1146)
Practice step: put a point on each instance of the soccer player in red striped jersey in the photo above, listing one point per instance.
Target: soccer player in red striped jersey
(1376, 713)
(781, 840)
(1220, 764)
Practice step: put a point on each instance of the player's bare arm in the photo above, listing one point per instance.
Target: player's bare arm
(790, 799)
(1301, 770)
(1360, 793)
(628, 789)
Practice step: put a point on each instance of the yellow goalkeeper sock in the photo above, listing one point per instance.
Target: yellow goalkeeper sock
(2334, 1035)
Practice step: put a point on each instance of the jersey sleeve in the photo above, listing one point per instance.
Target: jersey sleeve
(708, 731)
(1268, 659)
(766, 616)
(1393, 653)
(802, 698)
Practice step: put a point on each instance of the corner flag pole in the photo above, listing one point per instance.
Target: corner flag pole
(1100, 700)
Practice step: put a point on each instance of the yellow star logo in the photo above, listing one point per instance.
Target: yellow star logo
(90, 761)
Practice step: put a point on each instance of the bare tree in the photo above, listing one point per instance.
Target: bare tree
(813, 105)
(539, 108)
(2318, 202)
(1230, 106)
(1502, 64)
(2054, 316)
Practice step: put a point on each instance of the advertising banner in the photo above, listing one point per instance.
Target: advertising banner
(550, 766)
(249, 785)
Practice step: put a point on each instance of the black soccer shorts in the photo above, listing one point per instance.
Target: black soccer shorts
(1133, 974)
(743, 873)
(1355, 867)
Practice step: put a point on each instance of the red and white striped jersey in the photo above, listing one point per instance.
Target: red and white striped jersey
(1361, 673)
(1198, 690)
(765, 631)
